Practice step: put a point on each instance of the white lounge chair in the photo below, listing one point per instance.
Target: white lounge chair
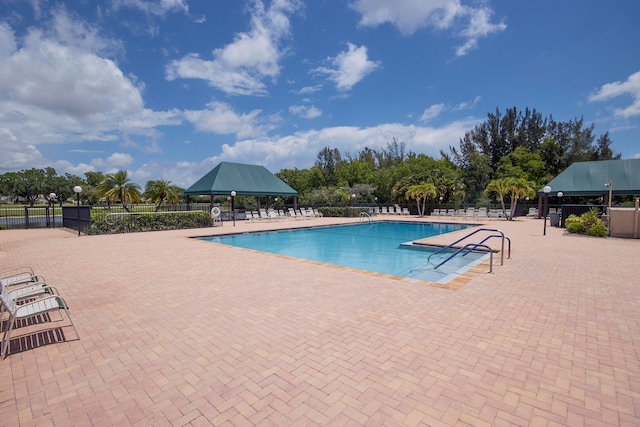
(18, 275)
(22, 305)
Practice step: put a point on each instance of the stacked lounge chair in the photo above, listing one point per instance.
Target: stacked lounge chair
(28, 301)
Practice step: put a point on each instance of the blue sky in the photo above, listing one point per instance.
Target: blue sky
(166, 89)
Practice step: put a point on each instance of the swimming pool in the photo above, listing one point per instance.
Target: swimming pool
(378, 246)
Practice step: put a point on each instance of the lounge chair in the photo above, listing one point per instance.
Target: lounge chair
(18, 275)
(263, 214)
(317, 213)
(405, 211)
(26, 304)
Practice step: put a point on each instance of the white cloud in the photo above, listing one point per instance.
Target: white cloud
(300, 149)
(240, 67)
(55, 87)
(308, 90)
(220, 118)
(630, 87)
(408, 16)
(154, 7)
(432, 112)
(436, 109)
(305, 111)
(17, 155)
(114, 161)
(349, 67)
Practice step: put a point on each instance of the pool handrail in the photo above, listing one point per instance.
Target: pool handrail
(471, 246)
(493, 230)
(365, 215)
(502, 249)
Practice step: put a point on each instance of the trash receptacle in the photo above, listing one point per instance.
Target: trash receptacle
(554, 219)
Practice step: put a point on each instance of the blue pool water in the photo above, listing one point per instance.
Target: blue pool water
(375, 246)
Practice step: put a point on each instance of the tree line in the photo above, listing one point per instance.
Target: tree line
(31, 184)
(508, 156)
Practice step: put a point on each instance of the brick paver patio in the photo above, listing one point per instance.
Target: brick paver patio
(175, 331)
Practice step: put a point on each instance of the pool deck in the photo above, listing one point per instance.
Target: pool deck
(177, 331)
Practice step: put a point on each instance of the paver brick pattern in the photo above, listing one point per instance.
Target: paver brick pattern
(176, 331)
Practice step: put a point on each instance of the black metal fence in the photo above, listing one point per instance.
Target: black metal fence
(17, 217)
(48, 216)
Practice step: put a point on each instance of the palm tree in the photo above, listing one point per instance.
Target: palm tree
(519, 187)
(502, 187)
(117, 186)
(420, 192)
(159, 191)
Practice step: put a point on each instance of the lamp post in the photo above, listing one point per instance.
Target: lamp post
(233, 206)
(77, 189)
(560, 194)
(610, 185)
(545, 207)
(52, 200)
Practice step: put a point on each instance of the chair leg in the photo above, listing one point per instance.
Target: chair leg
(5, 339)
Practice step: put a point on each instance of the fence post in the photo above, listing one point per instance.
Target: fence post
(26, 217)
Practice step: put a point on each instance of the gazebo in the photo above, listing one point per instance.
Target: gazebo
(243, 180)
(604, 178)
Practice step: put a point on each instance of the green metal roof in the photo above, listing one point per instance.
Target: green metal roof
(247, 180)
(588, 178)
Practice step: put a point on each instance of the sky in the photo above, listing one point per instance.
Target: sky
(167, 89)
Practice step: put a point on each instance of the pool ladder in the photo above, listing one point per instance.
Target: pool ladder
(365, 215)
(469, 247)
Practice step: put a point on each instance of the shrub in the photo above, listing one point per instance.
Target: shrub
(575, 227)
(591, 218)
(105, 223)
(598, 230)
(588, 222)
(341, 211)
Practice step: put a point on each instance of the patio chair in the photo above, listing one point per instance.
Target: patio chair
(405, 211)
(384, 210)
(18, 275)
(317, 213)
(264, 215)
(27, 306)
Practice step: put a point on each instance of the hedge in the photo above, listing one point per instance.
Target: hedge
(106, 223)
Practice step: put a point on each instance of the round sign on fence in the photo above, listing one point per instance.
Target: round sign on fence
(215, 212)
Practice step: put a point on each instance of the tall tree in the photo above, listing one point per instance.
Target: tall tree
(118, 187)
(421, 192)
(501, 187)
(160, 191)
(328, 160)
(518, 188)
